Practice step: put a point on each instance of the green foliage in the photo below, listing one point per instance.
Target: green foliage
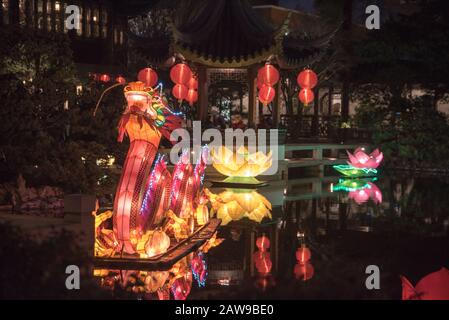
(410, 132)
(47, 131)
(407, 50)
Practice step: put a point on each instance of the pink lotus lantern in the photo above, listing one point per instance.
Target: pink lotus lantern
(363, 195)
(361, 160)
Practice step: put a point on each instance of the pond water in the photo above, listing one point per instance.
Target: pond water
(398, 222)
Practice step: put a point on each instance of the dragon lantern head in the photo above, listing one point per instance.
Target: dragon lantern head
(139, 97)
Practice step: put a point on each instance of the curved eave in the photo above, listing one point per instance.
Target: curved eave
(230, 62)
(258, 55)
(292, 63)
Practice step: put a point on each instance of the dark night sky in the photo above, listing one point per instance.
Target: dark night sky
(358, 11)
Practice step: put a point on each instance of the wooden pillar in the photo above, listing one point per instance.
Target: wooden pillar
(331, 93)
(203, 94)
(276, 106)
(252, 98)
(316, 112)
(252, 249)
(347, 49)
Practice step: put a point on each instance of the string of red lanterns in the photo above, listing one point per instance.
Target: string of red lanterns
(105, 78)
(192, 94)
(186, 84)
(181, 75)
(307, 80)
(267, 77)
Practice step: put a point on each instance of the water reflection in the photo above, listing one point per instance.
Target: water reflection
(175, 283)
(236, 204)
(199, 268)
(360, 190)
(320, 233)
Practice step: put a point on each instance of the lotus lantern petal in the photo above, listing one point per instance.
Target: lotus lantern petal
(361, 160)
(240, 163)
(233, 206)
(371, 191)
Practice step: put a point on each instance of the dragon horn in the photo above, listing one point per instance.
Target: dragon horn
(102, 95)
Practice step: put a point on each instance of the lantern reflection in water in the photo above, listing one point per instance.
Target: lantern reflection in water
(182, 286)
(162, 285)
(360, 190)
(303, 269)
(236, 204)
(263, 264)
(199, 268)
(363, 195)
(263, 243)
(175, 283)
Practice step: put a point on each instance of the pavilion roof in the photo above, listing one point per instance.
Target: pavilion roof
(228, 34)
(223, 33)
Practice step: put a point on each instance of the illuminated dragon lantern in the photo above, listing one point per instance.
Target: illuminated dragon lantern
(144, 121)
(152, 205)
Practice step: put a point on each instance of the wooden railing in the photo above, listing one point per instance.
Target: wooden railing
(309, 127)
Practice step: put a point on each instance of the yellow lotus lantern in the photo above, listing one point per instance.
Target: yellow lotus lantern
(236, 204)
(241, 167)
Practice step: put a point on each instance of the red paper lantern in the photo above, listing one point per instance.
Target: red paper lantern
(304, 271)
(306, 96)
(105, 78)
(303, 254)
(262, 262)
(307, 79)
(120, 80)
(180, 91)
(263, 243)
(180, 73)
(192, 96)
(192, 84)
(268, 75)
(148, 76)
(266, 94)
